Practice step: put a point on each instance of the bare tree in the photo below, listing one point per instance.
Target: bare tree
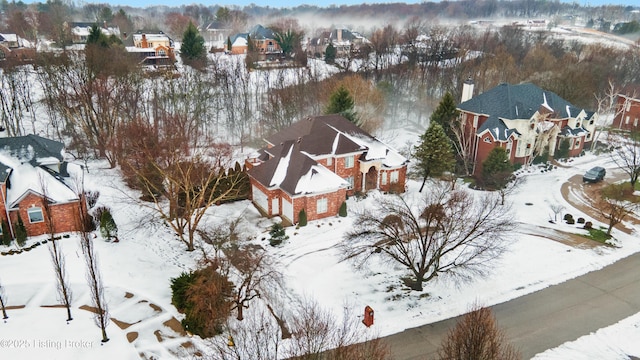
(626, 153)
(188, 172)
(93, 274)
(557, 209)
(258, 337)
(16, 101)
(317, 333)
(617, 201)
(606, 105)
(92, 95)
(450, 232)
(57, 257)
(257, 277)
(477, 336)
(3, 300)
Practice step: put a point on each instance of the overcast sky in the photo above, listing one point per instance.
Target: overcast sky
(321, 3)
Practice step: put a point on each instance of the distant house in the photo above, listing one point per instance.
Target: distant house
(216, 34)
(13, 47)
(344, 40)
(263, 40)
(152, 48)
(33, 173)
(315, 163)
(80, 31)
(627, 113)
(523, 119)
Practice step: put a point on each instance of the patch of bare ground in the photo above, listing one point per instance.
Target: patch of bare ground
(56, 306)
(128, 295)
(175, 325)
(583, 196)
(14, 307)
(155, 307)
(132, 336)
(89, 308)
(121, 324)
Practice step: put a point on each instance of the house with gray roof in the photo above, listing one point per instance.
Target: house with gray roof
(314, 164)
(36, 187)
(525, 120)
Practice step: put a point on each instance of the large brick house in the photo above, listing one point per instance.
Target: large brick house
(32, 171)
(151, 48)
(315, 163)
(525, 120)
(627, 113)
(263, 40)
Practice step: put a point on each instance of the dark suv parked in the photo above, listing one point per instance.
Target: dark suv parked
(594, 174)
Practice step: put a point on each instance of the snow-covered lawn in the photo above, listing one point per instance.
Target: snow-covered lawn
(138, 269)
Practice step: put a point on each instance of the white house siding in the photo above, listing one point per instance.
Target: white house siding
(287, 209)
(260, 199)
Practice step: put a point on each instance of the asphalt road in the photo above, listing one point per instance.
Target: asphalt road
(547, 318)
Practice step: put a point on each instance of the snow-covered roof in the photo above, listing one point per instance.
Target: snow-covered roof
(293, 171)
(331, 135)
(292, 166)
(26, 178)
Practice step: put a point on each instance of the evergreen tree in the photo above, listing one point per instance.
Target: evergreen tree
(330, 54)
(288, 41)
(97, 37)
(108, 227)
(341, 102)
(343, 209)
(20, 231)
(496, 169)
(278, 234)
(6, 234)
(563, 149)
(434, 154)
(192, 47)
(446, 114)
(302, 218)
(229, 44)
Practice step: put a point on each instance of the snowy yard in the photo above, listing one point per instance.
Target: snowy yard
(137, 271)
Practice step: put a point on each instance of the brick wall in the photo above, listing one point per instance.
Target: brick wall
(66, 217)
(309, 203)
(627, 119)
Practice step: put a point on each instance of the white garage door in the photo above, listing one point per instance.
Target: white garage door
(275, 206)
(287, 209)
(260, 199)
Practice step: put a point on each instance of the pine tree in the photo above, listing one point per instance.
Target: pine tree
(343, 209)
(6, 234)
(278, 234)
(302, 218)
(229, 45)
(341, 102)
(434, 154)
(20, 231)
(330, 54)
(496, 169)
(108, 227)
(192, 47)
(446, 114)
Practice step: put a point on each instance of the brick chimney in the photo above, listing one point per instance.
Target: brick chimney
(144, 43)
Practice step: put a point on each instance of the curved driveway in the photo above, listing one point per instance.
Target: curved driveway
(552, 316)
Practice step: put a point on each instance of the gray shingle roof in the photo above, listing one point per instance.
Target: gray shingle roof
(498, 129)
(32, 148)
(518, 102)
